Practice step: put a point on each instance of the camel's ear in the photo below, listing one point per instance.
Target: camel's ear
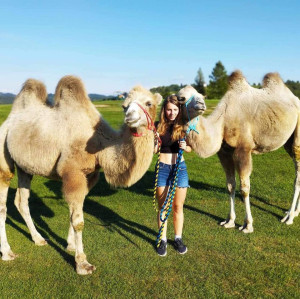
(158, 98)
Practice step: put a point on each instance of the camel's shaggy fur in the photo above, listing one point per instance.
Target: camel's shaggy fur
(70, 141)
(248, 120)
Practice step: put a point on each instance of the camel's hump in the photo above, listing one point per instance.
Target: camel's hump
(70, 89)
(237, 80)
(140, 89)
(36, 87)
(272, 80)
(32, 91)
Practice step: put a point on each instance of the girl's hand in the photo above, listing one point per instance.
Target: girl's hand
(182, 145)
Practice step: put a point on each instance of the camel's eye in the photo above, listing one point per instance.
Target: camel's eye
(181, 100)
(148, 104)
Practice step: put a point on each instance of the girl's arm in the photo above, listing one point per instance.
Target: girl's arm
(183, 145)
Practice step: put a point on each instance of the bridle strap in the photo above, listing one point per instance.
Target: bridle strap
(149, 119)
(192, 125)
(150, 127)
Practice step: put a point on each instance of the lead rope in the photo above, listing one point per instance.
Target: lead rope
(192, 125)
(156, 178)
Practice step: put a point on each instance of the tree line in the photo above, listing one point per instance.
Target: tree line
(217, 86)
(215, 89)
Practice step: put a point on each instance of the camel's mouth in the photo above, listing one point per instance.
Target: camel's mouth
(132, 122)
(199, 108)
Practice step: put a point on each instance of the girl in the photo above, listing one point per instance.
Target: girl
(170, 131)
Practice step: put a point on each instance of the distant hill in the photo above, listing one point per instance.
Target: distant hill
(7, 98)
(99, 97)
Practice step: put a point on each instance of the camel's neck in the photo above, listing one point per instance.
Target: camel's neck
(211, 130)
(123, 157)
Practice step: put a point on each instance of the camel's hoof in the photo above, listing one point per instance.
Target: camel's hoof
(9, 256)
(85, 268)
(228, 223)
(246, 229)
(285, 217)
(41, 242)
(288, 218)
(296, 214)
(71, 248)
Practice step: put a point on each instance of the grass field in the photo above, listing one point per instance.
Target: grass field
(120, 229)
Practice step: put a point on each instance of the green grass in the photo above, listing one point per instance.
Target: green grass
(120, 229)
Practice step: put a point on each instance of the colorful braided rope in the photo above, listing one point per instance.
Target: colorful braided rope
(155, 184)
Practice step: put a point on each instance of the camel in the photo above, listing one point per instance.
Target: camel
(246, 121)
(70, 141)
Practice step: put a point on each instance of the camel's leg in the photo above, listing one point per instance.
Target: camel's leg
(75, 188)
(294, 151)
(6, 174)
(71, 238)
(21, 202)
(243, 162)
(295, 208)
(297, 212)
(226, 159)
(92, 181)
(7, 254)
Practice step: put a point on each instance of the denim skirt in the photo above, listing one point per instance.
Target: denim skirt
(166, 175)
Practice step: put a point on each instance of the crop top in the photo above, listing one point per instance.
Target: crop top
(167, 145)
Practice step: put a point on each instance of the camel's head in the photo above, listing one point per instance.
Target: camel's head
(192, 102)
(139, 101)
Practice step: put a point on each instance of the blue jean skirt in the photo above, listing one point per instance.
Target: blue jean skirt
(166, 173)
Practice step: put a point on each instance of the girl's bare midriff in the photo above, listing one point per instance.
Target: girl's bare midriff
(169, 158)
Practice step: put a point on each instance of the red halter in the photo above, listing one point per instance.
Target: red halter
(150, 127)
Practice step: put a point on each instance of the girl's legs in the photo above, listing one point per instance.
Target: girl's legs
(178, 202)
(161, 193)
(178, 217)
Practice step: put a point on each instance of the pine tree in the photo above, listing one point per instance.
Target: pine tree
(218, 83)
(199, 82)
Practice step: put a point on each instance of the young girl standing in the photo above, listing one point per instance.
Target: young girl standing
(170, 131)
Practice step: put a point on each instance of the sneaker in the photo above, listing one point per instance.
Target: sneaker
(162, 248)
(179, 246)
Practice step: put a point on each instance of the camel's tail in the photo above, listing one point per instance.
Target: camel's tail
(237, 81)
(33, 91)
(70, 89)
(272, 80)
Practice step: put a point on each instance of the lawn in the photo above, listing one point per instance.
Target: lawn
(120, 230)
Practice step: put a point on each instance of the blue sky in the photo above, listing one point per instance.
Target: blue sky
(114, 45)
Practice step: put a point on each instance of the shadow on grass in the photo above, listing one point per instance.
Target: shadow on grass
(107, 217)
(145, 185)
(37, 209)
(114, 222)
(253, 198)
(191, 208)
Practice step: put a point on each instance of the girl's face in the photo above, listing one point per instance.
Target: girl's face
(171, 111)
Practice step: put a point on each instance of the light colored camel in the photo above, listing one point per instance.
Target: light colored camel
(70, 142)
(247, 120)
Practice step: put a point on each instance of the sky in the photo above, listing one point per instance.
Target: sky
(114, 45)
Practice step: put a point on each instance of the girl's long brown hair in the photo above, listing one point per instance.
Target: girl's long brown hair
(164, 123)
